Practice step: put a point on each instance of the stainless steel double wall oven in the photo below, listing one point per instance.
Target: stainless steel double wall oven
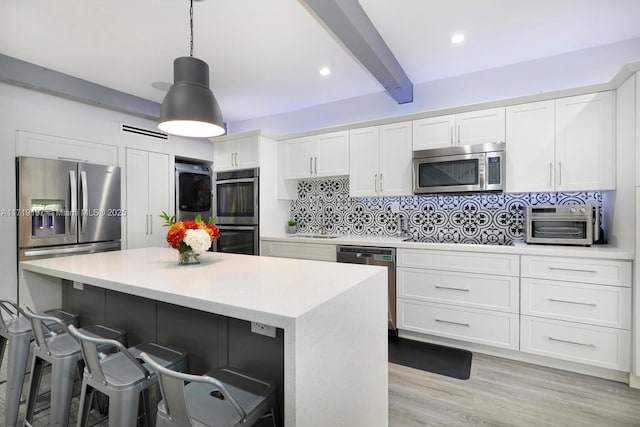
(237, 209)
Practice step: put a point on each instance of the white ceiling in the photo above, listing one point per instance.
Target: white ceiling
(265, 54)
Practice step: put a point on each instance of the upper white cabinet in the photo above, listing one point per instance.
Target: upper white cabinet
(566, 144)
(380, 160)
(240, 153)
(317, 155)
(147, 197)
(53, 147)
(473, 127)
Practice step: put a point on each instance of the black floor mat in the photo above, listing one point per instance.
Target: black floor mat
(448, 361)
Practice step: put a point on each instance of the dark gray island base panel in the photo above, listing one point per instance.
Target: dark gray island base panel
(210, 339)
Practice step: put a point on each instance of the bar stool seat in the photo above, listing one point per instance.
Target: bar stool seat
(223, 397)
(121, 376)
(63, 353)
(15, 337)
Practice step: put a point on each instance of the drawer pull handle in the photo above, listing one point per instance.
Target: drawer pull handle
(590, 304)
(573, 269)
(572, 342)
(452, 289)
(452, 323)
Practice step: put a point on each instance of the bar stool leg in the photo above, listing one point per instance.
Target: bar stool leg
(123, 408)
(86, 396)
(18, 353)
(37, 368)
(63, 374)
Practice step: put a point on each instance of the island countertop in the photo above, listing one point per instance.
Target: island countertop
(264, 289)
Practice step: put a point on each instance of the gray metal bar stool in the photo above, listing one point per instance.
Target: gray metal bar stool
(121, 376)
(224, 397)
(15, 336)
(63, 353)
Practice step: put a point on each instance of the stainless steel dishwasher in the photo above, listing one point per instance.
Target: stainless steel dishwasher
(385, 257)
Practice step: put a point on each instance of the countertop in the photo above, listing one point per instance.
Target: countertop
(269, 290)
(518, 248)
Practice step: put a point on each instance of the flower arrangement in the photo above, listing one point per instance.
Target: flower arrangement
(190, 237)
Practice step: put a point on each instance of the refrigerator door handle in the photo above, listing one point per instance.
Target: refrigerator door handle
(85, 202)
(74, 201)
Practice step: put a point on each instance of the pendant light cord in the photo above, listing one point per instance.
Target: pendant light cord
(191, 25)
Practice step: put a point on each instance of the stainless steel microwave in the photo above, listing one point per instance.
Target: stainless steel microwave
(562, 225)
(465, 168)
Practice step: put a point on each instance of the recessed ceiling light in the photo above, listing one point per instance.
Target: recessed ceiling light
(457, 38)
(325, 71)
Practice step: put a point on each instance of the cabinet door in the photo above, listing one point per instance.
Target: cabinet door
(298, 157)
(434, 132)
(158, 198)
(53, 147)
(247, 154)
(480, 127)
(332, 154)
(585, 143)
(364, 161)
(223, 156)
(395, 159)
(137, 172)
(530, 147)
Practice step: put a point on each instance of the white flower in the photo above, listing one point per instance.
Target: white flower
(198, 240)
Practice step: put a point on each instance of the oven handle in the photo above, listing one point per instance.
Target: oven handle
(234, 181)
(237, 227)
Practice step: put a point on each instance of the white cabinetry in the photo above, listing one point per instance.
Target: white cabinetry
(473, 127)
(53, 147)
(240, 153)
(577, 310)
(317, 155)
(147, 176)
(450, 294)
(380, 160)
(316, 251)
(566, 144)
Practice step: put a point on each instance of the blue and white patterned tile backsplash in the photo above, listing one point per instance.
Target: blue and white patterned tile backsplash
(475, 218)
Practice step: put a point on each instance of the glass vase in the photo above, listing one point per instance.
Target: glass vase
(188, 257)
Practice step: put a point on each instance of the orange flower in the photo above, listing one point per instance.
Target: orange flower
(178, 230)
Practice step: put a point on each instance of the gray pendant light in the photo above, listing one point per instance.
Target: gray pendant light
(189, 108)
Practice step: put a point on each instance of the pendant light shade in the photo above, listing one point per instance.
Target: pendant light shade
(189, 108)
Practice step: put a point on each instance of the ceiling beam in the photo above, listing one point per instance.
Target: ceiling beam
(20, 73)
(351, 26)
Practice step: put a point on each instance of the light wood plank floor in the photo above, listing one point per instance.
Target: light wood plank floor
(501, 392)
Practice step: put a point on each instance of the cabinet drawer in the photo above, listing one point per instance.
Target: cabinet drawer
(480, 326)
(592, 304)
(315, 251)
(467, 262)
(604, 272)
(466, 289)
(593, 345)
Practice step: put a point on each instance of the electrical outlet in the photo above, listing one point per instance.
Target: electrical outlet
(395, 207)
(78, 285)
(262, 329)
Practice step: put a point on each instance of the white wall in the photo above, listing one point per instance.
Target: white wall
(23, 109)
(581, 68)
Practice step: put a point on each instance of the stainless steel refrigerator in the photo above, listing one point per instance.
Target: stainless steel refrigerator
(66, 208)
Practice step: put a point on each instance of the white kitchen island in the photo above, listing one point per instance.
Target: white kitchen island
(334, 317)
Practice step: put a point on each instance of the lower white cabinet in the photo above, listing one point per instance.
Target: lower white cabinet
(577, 309)
(315, 251)
(486, 327)
(592, 345)
(450, 294)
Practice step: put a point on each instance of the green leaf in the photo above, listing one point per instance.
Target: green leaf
(169, 220)
(198, 218)
(212, 220)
